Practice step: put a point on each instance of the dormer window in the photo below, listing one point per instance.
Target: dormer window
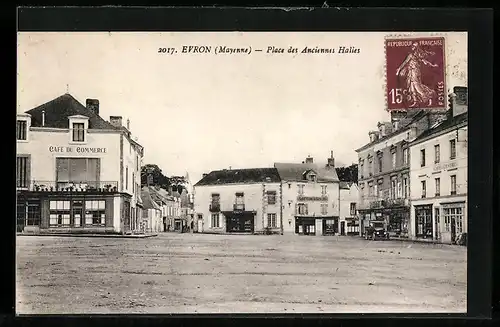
(22, 130)
(78, 126)
(312, 177)
(78, 132)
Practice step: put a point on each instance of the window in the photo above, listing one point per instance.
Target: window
(78, 132)
(437, 154)
(353, 208)
(438, 186)
(405, 156)
(324, 208)
(59, 213)
(423, 189)
(312, 177)
(393, 188)
(302, 208)
(22, 172)
(289, 185)
(301, 189)
(380, 164)
(215, 220)
(394, 160)
(33, 217)
(400, 190)
(422, 158)
(453, 149)
(405, 187)
(21, 129)
(271, 197)
(453, 180)
(133, 183)
(77, 170)
(370, 189)
(271, 220)
(454, 215)
(323, 189)
(376, 189)
(95, 212)
(240, 202)
(362, 166)
(370, 165)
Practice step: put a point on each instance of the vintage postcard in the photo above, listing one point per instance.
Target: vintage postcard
(241, 172)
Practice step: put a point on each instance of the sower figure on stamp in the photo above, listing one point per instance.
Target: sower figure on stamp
(410, 70)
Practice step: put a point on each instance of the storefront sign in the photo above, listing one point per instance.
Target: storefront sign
(312, 198)
(76, 149)
(445, 166)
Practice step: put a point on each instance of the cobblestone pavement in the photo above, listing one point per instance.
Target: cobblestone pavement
(197, 273)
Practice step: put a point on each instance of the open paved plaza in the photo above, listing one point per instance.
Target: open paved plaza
(198, 273)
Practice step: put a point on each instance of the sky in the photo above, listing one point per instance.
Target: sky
(197, 112)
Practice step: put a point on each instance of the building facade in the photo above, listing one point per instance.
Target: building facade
(239, 201)
(349, 197)
(384, 171)
(439, 178)
(75, 171)
(151, 221)
(310, 197)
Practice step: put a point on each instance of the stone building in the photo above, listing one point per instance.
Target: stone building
(75, 171)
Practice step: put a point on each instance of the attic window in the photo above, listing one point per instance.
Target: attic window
(311, 177)
(78, 132)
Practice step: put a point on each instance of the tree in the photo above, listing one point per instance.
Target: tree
(348, 174)
(155, 175)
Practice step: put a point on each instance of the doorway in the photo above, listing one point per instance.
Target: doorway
(453, 229)
(342, 228)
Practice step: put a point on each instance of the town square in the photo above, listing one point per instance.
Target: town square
(253, 182)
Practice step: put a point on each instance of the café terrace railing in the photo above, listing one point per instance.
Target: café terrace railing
(73, 186)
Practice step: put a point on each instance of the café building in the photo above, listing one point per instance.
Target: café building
(75, 171)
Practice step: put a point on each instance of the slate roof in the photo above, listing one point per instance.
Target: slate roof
(295, 172)
(240, 176)
(147, 200)
(412, 119)
(444, 125)
(58, 110)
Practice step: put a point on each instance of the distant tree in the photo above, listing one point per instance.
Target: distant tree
(348, 174)
(152, 175)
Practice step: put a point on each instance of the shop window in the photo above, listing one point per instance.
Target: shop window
(22, 172)
(424, 222)
(34, 214)
(271, 220)
(324, 208)
(215, 220)
(22, 130)
(59, 213)
(95, 212)
(454, 214)
(78, 132)
(271, 197)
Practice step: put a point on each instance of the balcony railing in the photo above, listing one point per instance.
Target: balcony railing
(238, 207)
(214, 207)
(80, 186)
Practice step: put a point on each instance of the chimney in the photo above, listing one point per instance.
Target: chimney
(458, 100)
(43, 118)
(128, 124)
(309, 160)
(116, 121)
(331, 160)
(93, 105)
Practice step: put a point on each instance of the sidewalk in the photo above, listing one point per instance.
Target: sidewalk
(89, 235)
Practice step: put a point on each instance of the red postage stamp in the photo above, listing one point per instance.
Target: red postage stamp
(415, 70)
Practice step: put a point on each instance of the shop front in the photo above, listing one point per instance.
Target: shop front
(330, 225)
(352, 225)
(69, 212)
(305, 225)
(240, 221)
(423, 221)
(454, 221)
